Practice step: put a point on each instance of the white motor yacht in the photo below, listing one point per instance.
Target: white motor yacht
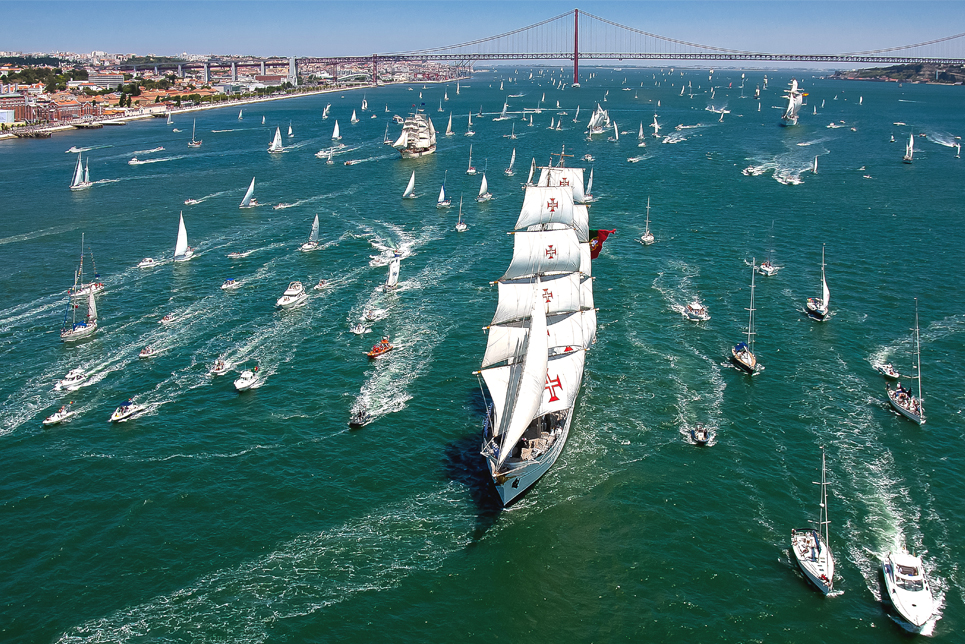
(230, 284)
(294, 295)
(147, 262)
(73, 380)
(696, 311)
(59, 416)
(907, 589)
(126, 409)
(247, 379)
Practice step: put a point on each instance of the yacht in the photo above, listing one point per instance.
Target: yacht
(811, 546)
(247, 379)
(294, 295)
(59, 416)
(903, 399)
(696, 311)
(126, 409)
(147, 262)
(73, 380)
(907, 590)
(742, 354)
(817, 308)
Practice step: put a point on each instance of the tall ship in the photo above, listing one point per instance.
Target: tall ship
(599, 121)
(418, 137)
(795, 98)
(544, 323)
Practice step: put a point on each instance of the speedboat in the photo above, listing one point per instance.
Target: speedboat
(381, 348)
(147, 262)
(230, 284)
(247, 379)
(191, 202)
(359, 419)
(237, 255)
(588, 158)
(321, 285)
(696, 311)
(126, 409)
(359, 329)
(147, 352)
(767, 269)
(59, 416)
(134, 161)
(167, 319)
(700, 435)
(907, 589)
(219, 368)
(887, 371)
(74, 379)
(294, 295)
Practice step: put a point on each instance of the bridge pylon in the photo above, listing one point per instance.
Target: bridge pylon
(576, 48)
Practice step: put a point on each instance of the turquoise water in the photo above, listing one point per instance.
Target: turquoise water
(260, 517)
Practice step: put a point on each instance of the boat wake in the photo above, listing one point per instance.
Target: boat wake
(75, 149)
(151, 151)
(944, 138)
(56, 230)
(380, 157)
(162, 159)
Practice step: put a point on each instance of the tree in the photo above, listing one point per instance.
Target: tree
(120, 101)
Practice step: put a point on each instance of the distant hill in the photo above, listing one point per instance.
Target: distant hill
(35, 61)
(946, 74)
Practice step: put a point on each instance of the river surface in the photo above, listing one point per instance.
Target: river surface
(261, 517)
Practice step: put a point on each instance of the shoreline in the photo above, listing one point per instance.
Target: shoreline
(123, 120)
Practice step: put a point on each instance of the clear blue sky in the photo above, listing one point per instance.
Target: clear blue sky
(265, 27)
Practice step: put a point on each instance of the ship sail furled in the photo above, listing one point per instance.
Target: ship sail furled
(418, 136)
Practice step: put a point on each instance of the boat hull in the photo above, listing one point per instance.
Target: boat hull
(907, 413)
(915, 608)
(416, 153)
(817, 564)
(80, 332)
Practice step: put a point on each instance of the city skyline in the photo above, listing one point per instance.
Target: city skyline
(282, 28)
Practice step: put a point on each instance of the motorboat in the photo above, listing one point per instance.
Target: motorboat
(767, 269)
(230, 284)
(167, 319)
(382, 347)
(191, 202)
(907, 589)
(147, 352)
(147, 262)
(237, 255)
(294, 295)
(126, 409)
(887, 371)
(247, 379)
(59, 416)
(359, 329)
(219, 368)
(589, 158)
(322, 284)
(73, 380)
(360, 418)
(810, 546)
(701, 435)
(696, 311)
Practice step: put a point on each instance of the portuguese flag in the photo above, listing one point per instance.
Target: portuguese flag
(597, 237)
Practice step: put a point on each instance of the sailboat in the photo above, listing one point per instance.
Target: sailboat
(354, 118)
(82, 329)
(795, 98)
(544, 322)
(461, 225)
(262, 120)
(588, 192)
(818, 308)
(335, 135)
(576, 116)
(81, 178)
(312, 243)
(443, 202)
(182, 252)
(194, 143)
(503, 116)
(392, 280)
(240, 115)
(276, 145)
(811, 547)
(552, 125)
(530, 121)
(457, 88)
(901, 398)
(249, 201)
(647, 237)
(909, 149)
(170, 120)
(365, 103)
(616, 133)
(470, 169)
(655, 126)
(445, 95)
(814, 168)
(767, 267)
(449, 131)
(532, 169)
(742, 354)
(484, 194)
(469, 131)
(410, 188)
(80, 288)
(512, 161)
(290, 133)
(325, 111)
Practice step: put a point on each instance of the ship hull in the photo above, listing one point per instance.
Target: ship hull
(415, 154)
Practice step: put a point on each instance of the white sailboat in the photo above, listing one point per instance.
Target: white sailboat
(469, 131)
(194, 143)
(78, 330)
(449, 131)
(909, 149)
(471, 169)
(655, 126)
(81, 178)
(811, 547)
(483, 190)
(576, 117)
(354, 119)
(742, 354)
(641, 137)
(312, 243)
(818, 308)
(647, 237)
(249, 201)
(325, 111)
(240, 115)
(443, 201)
(262, 120)
(409, 192)
(365, 103)
(901, 398)
(532, 169)
(182, 252)
(276, 145)
(290, 133)
(392, 280)
(767, 267)
(616, 132)
(814, 168)
(512, 161)
(907, 590)
(335, 135)
(170, 120)
(461, 225)
(795, 98)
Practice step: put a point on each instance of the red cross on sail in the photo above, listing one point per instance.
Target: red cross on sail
(564, 181)
(547, 295)
(551, 251)
(552, 384)
(552, 205)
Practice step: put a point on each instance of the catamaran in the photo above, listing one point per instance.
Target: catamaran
(418, 136)
(512, 161)
(818, 308)
(906, 589)
(276, 145)
(182, 252)
(81, 178)
(901, 398)
(647, 237)
(410, 188)
(811, 546)
(795, 98)
(249, 201)
(909, 149)
(194, 143)
(312, 243)
(544, 323)
(742, 354)
(443, 201)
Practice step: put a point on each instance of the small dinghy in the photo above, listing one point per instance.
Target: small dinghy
(359, 418)
(700, 435)
(126, 409)
(147, 352)
(219, 368)
(381, 348)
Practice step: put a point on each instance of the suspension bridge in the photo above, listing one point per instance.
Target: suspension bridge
(580, 36)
